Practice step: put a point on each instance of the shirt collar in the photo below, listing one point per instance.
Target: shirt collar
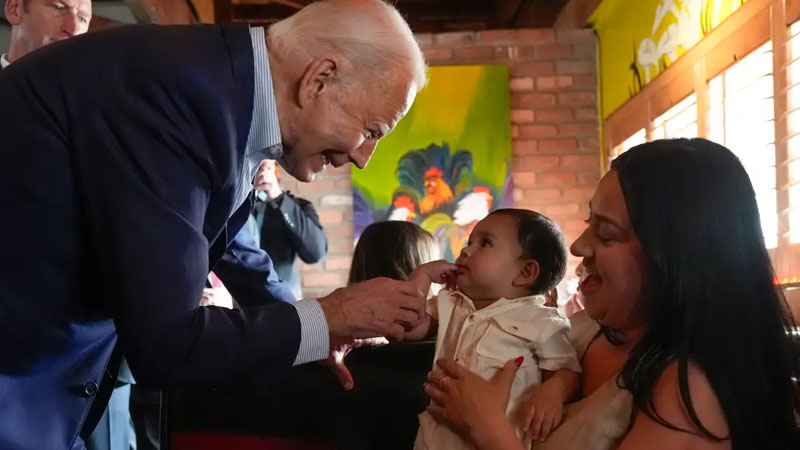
(4, 61)
(264, 138)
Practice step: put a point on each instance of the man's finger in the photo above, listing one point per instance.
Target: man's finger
(407, 317)
(396, 331)
(343, 374)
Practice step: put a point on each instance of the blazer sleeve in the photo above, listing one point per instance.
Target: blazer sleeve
(249, 275)
(304, 228)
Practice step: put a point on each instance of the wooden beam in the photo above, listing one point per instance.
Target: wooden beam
(538, 13)
(223, 12)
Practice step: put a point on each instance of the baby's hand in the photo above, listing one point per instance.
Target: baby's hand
(541, 412)
(441, 272)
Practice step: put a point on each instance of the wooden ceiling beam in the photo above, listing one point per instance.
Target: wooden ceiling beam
(538, 13)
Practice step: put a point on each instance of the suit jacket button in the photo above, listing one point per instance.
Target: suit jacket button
(90, 388)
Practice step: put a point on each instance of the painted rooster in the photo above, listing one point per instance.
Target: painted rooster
(438, 191)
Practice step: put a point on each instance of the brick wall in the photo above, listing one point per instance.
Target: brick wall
(554, 129)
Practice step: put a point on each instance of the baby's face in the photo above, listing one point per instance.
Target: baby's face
(491, 260)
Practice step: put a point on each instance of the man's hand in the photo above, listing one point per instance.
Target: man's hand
(216, 297)
(374, 308)
(339, 349)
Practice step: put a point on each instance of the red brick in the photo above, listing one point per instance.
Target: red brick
(584, 50)
(586, 113)
(580, 161)
(537, 131)
(522, 179)
(514, 131)
(520, 84)
(575, 35)
(566, 209)
(337, 200)
(517, 193)
(541, 195)
(339, 231)
(505, 53)
(338, 263)
(553, 82)
(497, 36)
(532, 100)
(534, 69)
(536, 162)
(556, 178)
(552, 51)
(576, 66)
(344, 185)
(576, 98)
(554, 115)
(579, 193)
(558, 145)
(330, 217)
(584, 80)
(459, 38)
(523, 147)
(536, 36)
(315, 186)
(424, 39)
(342, 170)
(341, 246)
(578, 129)
(437, 54)
(317, 279)
(588, 177)
(474, 53)
(590, 144)
(521, 115)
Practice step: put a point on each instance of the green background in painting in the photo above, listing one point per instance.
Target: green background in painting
(465, 106)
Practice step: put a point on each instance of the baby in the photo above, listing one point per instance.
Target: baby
(513, 259)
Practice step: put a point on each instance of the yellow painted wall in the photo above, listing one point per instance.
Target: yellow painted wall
(639, 39)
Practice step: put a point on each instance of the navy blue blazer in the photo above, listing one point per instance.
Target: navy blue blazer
(131, 141)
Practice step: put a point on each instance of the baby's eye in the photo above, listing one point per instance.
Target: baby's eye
(486, 243)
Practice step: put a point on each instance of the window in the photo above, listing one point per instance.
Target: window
(793, 125)
(640, 137)
(679, 121)
(741, 116)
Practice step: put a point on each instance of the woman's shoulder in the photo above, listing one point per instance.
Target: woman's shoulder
(670, 406)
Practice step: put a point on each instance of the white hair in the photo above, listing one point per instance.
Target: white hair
(370, 35)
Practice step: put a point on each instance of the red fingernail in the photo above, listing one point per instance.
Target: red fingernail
(518, 361)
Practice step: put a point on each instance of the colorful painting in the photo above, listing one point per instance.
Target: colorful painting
(639, 39)
(446, 165)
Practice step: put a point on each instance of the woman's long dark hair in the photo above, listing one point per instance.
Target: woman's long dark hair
(713, 301)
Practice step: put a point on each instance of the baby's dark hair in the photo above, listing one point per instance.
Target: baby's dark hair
(541, 240)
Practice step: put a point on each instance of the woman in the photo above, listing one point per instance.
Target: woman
(391, 249)
(691, 329)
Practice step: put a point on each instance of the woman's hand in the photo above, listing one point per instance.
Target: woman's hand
(473, 407)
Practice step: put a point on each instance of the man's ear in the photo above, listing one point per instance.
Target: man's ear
(528, 274)
(14, 11)
(317, 78)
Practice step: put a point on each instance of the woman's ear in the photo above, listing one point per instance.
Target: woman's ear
(528, 274)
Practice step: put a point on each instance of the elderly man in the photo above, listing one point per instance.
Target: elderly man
(143, 142)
